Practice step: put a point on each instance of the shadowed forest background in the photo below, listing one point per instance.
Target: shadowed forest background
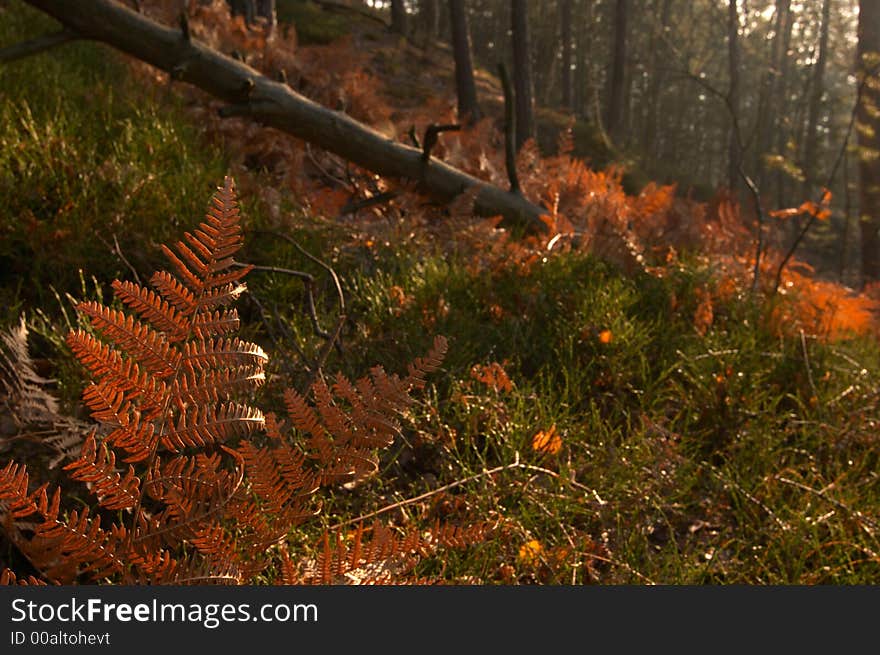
(484, 291)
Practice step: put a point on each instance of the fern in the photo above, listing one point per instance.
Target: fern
(190, 484)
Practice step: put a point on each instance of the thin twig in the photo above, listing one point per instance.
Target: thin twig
(516, 464)
(807, 364)
(821, 494)
(322, 356)
(725, 480)
(311, 257)
(840, 156)
(759, 210)
(353, 206)
(309, 284)
(323, 170)
(432, 134)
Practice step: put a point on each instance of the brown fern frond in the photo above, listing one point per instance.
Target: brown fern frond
(301, 414)
(422, 366)
(15, 500)
(203, 425)
(218, 322)
(162, 315)
(8, 578)
(138, 438)
(192, 489)
(217, 353)
(34, 412)
(207, 254)
(172, 290)
(214, 385)
(151, 349)
(74, 546)
(97, 467)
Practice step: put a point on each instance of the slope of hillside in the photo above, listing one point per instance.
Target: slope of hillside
(621, 393)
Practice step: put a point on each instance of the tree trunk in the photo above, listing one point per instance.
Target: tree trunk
(868, 127)
(657, 81)
(565, 36)
(583, 86)
(771, 99)
(398, 17)
(468, 107)
(734, 148)
(616, 107)
(429, 18)
(246, 8)
(810, 145)
(782, 183)
(275, 104)
(522, 72)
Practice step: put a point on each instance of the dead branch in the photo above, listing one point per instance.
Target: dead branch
(277, 105)
(432, 133)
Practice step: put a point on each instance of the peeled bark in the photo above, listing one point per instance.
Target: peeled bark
(276, 105)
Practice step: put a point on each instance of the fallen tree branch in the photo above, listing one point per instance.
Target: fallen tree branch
(432, 133)
(35, 46)
(276, 105)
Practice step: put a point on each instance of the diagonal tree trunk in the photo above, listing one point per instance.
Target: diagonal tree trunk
(275, 104)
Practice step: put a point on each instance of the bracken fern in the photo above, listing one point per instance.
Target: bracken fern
(191, 485)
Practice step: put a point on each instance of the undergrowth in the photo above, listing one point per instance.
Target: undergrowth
(629, 423)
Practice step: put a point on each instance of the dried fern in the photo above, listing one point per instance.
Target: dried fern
(183, 493)
(29, 411)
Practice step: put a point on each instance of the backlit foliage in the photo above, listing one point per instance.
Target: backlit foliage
(188, 483)
(587, 209)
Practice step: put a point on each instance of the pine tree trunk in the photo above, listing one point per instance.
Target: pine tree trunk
(868, 128)
(734, 154)
(770, 98)
(398, 17)
(616, 107)
(429, 18)
(657, 81)
(468, 108)
(522, 72)
(565, 36)
(782, 108)
(818, 88)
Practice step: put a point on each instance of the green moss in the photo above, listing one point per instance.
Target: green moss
(313, 23)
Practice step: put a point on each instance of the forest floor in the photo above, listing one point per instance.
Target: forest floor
(621, 395)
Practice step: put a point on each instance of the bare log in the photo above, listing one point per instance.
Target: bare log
(275, 104)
